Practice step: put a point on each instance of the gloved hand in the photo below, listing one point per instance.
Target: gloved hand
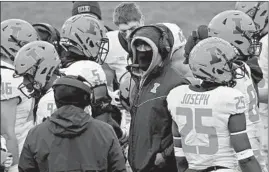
(196, 36)
(115, 96)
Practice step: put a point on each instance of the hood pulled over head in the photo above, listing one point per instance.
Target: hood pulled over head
(69, 121)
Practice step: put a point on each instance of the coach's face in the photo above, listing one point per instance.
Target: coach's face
(144, 54)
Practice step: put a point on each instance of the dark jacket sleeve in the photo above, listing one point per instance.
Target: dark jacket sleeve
(169, 151)
(256, 71)
(116, 161)
(27, 162)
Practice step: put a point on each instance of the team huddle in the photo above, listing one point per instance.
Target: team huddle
(142, 98)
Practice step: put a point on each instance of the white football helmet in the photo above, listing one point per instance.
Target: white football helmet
(258, 11)
(15, 33)
(91, 71)
(237, 28)
(39, 59)
(84, 35)
(92, 75)
(212, 60)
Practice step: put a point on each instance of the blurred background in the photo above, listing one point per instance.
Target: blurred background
(188, 15)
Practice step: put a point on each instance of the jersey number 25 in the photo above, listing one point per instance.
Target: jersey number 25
(194, 122)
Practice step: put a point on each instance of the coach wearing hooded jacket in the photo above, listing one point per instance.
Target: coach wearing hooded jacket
(71, 140)
(150, 139)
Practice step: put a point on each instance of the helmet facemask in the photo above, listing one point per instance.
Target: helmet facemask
(255, 47)
(33, 89)
(102, 51)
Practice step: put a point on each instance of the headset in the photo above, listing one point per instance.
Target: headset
(80, 83)
(77, 82)
(164, 43)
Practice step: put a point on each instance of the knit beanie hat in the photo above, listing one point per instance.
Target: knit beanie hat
(86, 7)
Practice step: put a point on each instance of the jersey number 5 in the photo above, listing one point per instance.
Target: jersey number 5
(194, 122)
(96, 74)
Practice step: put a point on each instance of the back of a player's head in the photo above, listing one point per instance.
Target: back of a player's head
(127, 12)
(71, 90)
(69, 95)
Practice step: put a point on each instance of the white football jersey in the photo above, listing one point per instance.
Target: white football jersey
(46, 106)
(263, 107)
(263, 63)
(116, 60)
(245, 85)
(202, 119)
(9, 89)
(253, 118)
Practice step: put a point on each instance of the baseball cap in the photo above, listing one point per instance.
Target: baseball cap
(88, 7)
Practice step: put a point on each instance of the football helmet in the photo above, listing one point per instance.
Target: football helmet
(237, 28)
(212, 60)
(258, 11)
(38, 60)
(93, 77)
(85, 35)
(15, 33)
(48, 33)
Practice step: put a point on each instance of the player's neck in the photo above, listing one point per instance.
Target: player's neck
(209, 85)
(205, 86)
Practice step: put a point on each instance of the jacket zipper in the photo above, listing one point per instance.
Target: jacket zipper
(134, 115)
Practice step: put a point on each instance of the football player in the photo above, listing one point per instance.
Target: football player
(82, 40)
(258, 11)
(16, 116)
(114, 63)
(210, 117)
(38, 63)
(238, 28)
(71, 140)
(127, 16)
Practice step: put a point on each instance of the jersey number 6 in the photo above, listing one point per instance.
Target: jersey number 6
(194, 122)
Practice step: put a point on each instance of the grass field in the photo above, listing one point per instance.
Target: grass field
(188, 15)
